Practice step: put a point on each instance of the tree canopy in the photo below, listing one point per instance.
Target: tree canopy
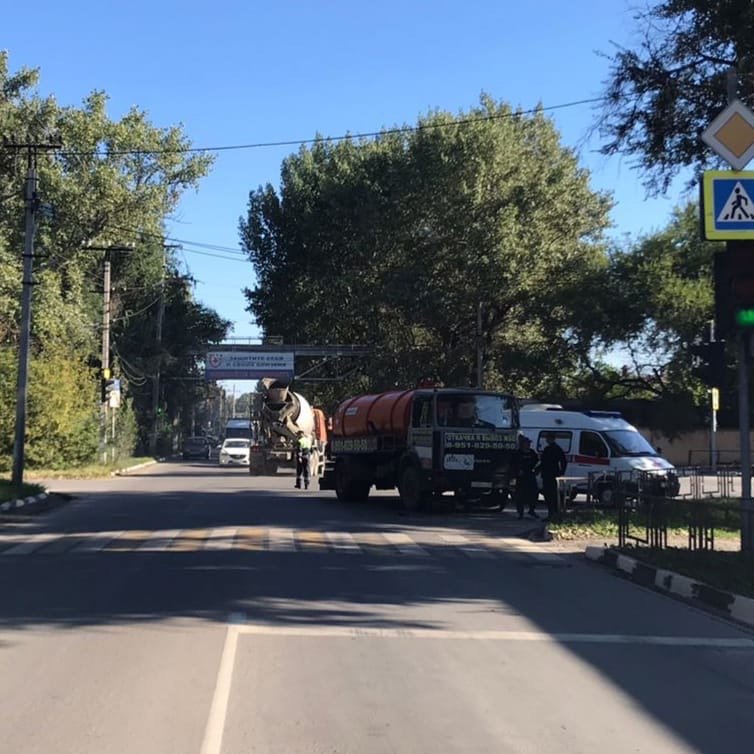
(396, 241)
(663, 92)
(111, 182)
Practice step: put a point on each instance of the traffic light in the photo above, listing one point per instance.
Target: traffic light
(709, 362)
(734, 288)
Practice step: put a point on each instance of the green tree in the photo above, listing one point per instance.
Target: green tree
(661, 94)
(113, 181)
(393, 243)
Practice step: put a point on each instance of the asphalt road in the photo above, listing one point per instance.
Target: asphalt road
(189, 609)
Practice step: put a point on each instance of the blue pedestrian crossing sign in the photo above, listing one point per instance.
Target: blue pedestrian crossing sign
(728, 199)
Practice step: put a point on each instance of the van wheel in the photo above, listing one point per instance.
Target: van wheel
(410, 488)
(605, 496)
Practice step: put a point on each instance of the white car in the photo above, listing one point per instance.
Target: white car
(235, 452)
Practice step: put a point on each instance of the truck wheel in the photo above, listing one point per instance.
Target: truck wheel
(348, 488)
(411, 490)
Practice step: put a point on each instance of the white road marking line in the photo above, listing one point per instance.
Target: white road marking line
(97, 542)
(532, 550)
(467, 548)
(355, 632)
(213, 733)
(342, 540)
(160, 540)
(281, 540)
(405, 544)
(220, 539)
(30, 544)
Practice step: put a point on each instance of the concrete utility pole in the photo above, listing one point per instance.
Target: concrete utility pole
(31, 207)
(158, 341)
(106, 372)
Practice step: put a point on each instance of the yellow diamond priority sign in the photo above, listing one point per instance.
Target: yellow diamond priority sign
(731, 135)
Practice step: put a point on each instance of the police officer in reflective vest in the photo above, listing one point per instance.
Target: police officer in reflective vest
(303, 454)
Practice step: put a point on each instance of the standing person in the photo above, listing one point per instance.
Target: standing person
(525, 461)
(303, 453)
(552, 465)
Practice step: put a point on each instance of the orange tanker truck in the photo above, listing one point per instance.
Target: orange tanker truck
(424, 442)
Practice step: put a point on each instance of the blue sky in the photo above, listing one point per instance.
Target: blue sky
(246, 72)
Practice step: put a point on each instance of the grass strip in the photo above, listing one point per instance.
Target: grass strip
(9, 491)
(90, 471)
(724, 517)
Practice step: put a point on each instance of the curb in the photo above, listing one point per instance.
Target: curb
(11, 505)
(122, 472)
(737, 607)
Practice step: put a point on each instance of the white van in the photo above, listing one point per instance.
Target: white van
(600, 444)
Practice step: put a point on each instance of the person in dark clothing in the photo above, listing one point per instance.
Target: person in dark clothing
(525, 461)
(552, 464)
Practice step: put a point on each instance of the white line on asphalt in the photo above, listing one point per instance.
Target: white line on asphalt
(281, 540)
(532, 550)
(405, 544)
(31, 544)
(213, 733)
(220, 539)
(160, 540)
(342, 540)
(97, 542)
(468, 548)
(356, 632)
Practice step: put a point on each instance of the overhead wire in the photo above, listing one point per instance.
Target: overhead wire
(342, 137)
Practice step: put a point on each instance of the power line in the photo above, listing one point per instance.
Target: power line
(344, 137)
(182, 241)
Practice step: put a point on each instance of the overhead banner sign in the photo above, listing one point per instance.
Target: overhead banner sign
(728, 205)
(240, 365)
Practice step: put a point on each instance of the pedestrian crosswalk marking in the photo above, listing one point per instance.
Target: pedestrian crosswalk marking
(97, 542)
(404, 544)
(30, 545)
(114, 541)
(250, 538)
(311, 540)
(277, 539)
(221, 539)
(342, 541)
(160, 541)
(466, 547)
(281, 540)
(189, 540)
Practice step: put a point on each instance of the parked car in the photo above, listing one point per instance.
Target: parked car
(235, 451)
(196, 447)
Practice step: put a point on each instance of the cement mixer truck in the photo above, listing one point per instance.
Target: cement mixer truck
(425, 442)
(277, 416)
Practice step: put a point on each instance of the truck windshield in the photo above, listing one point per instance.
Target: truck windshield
(624, 442)
(469, 410)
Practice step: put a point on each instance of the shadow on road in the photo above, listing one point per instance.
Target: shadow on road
(679, 686)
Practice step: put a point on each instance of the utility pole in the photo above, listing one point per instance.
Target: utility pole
(158, 342)
(479, 351)
(31, 207)
(106, 372)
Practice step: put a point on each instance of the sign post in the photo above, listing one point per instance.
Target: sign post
(728, 215)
